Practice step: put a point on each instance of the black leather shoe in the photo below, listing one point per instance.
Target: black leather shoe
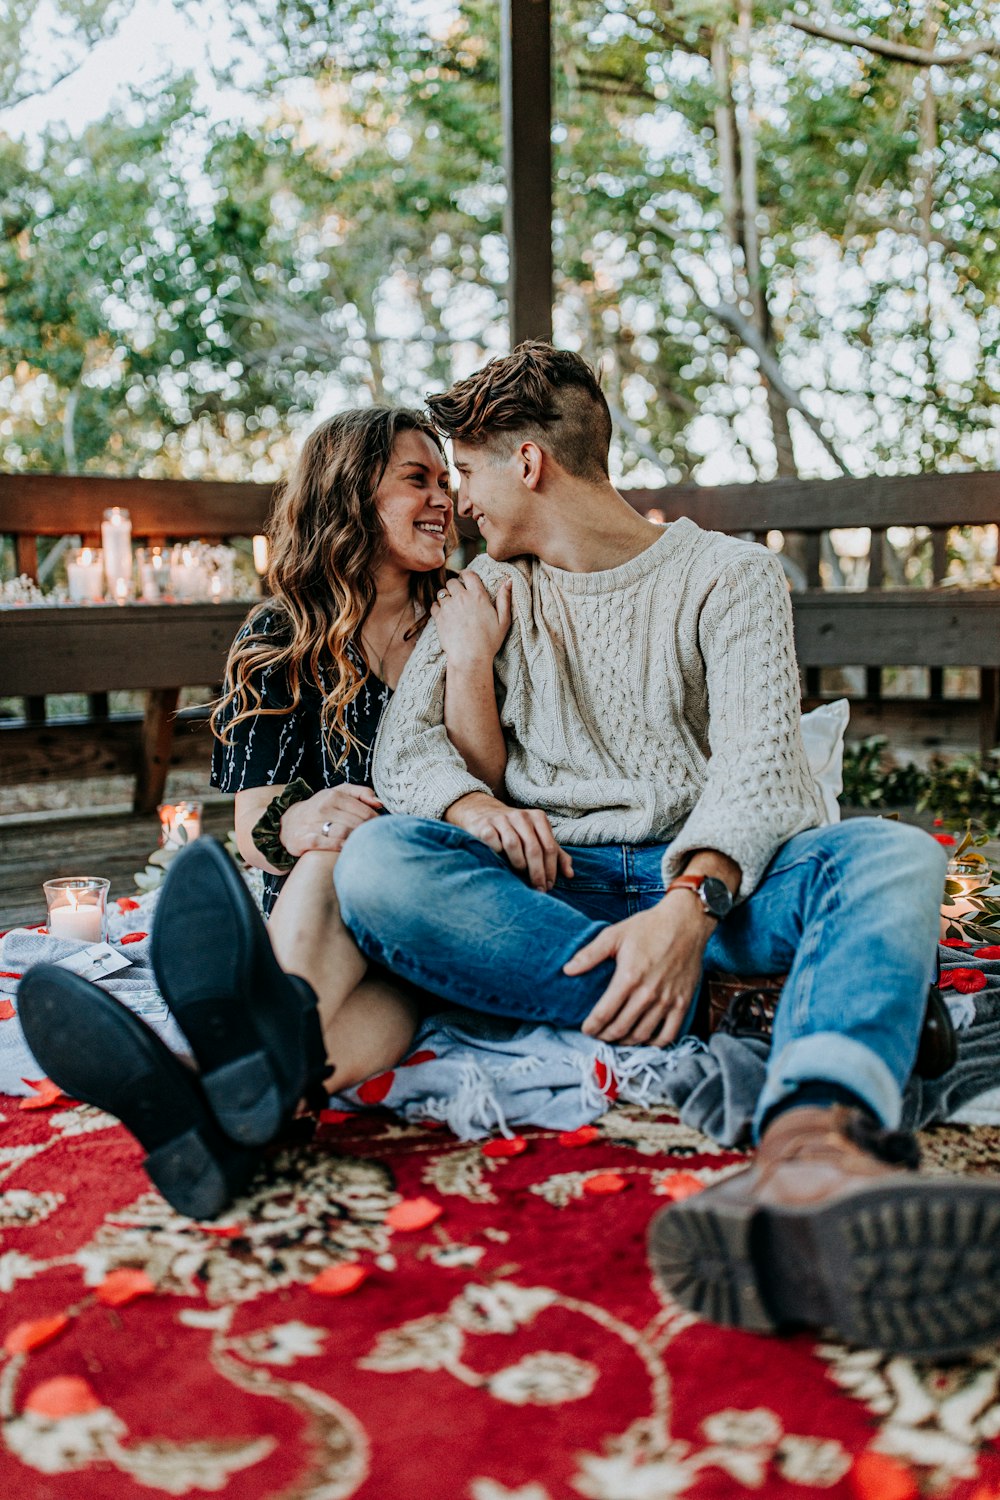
(97, 1051)
(253, 1028)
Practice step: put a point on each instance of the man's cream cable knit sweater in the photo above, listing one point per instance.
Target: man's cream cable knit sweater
(655, 702)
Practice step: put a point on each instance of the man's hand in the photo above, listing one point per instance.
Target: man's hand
(658, 959)
(522, 835)
(325, 820)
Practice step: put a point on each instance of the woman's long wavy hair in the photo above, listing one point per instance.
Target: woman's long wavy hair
(326, 542)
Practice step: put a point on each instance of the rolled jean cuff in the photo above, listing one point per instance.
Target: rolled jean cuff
(829, 1057)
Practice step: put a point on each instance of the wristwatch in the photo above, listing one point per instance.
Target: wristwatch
(713, 893)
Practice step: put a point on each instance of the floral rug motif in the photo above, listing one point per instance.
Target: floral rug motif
(392, 1314)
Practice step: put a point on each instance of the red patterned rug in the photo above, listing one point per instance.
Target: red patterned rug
(394, 1315)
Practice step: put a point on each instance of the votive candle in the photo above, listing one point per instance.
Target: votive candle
(77, 907)
(85, 576)
(180, 822)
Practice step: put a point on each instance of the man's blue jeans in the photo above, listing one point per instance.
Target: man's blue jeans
(849, 913)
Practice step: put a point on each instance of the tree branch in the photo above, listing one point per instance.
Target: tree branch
(919, 57)
(730, 317)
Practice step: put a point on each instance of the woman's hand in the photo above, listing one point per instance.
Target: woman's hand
(325, 820)
(470, 625)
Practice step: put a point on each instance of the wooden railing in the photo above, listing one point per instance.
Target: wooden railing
(162, 648)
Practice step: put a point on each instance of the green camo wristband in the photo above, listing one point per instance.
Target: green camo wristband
(266, 833)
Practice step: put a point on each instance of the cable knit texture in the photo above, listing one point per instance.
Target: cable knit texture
(654, 702)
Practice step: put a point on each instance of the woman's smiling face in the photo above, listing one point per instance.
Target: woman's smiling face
(414, 504)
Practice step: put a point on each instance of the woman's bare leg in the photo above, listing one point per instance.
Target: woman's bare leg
(368, 1024)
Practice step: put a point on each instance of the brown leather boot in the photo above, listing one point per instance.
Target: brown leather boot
(820, 1231)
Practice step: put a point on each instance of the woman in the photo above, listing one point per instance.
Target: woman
(358, 548)
(280, 1014)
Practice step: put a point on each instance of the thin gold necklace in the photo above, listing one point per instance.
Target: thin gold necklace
(380, 660)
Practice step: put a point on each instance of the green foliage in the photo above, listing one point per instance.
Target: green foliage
(957, 791)
(176, 292)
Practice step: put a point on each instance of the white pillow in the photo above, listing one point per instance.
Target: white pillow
(823, 737)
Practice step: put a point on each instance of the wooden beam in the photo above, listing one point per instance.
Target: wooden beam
(63, 504)
(897, 628)
(69, 748)
(526, 100)
(817, 504)
(106, 647)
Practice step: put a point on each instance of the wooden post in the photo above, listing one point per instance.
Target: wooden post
(157, 742)
(526, 96)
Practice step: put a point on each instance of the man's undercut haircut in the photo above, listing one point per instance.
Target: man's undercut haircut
(537, 393)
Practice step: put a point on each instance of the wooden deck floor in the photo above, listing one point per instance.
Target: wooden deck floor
(112, 842)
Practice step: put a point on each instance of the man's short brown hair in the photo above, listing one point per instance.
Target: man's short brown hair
(549, 395)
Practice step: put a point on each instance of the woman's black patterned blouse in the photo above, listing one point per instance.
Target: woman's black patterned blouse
(272, 749)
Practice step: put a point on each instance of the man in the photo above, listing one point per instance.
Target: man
(660, 819)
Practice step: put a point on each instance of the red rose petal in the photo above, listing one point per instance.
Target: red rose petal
(419, 1057)
(606, 1080)
(603, 1183)
(413, 1213)
(124, 1285)
(46, 1094)
(953, 943)
(223, 1231)
(337, 1281)
(944, 838)
(374, 1090)
(939, 822)
(7, 1011)
(10, 974)
(991, 952)
(33, 1334)
(125, 903)
(504, 1147)
(678, 1185)
(581, 1137)
(876, 1476)
(63, 1396)
(133, 937)
(946, 981)
(334, 1116)
(968, 981)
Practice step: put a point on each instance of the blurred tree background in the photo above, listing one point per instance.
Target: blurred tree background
(777, 230)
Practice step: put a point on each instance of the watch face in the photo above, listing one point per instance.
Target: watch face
(715, 895)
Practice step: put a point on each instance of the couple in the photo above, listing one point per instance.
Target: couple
(598, 790)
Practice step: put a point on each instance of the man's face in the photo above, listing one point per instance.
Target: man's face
(491, 493)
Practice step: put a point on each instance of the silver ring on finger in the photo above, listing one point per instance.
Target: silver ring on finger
(325, 830)
(442, 593)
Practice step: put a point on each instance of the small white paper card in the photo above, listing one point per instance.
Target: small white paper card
(95, 962)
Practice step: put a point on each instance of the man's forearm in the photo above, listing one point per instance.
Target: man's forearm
(711, 862)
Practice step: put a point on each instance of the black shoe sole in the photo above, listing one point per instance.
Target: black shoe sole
(911, 1266)
(97, 1051)
(239, 1010)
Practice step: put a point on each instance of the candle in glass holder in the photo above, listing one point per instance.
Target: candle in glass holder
(969, 875)
(78, 908)
(187, 573)
(261, 554)
(153, 574)
(85, 576)
(180, 822)
(116, 539)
